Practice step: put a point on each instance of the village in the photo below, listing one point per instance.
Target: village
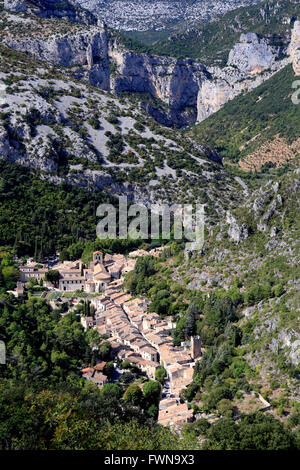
(135, 335)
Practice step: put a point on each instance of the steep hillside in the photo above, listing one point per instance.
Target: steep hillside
(241, 295)
(258, 128)
(75, 133)
(158, 15)
(94, 55)
(176, 92)
(211, 42)
(51, 8)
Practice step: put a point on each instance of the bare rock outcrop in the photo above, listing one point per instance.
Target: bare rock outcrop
(294, 48)
(108, 65)
(296, 62)
(184, 90)
(64, 50)
(52, 8)
(15, 5)
(236, 232)
(226, 84)
(4, 143)
(86, 52)
(250, 63)
(175, 82)
(252, 55)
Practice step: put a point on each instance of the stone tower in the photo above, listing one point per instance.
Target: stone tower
(196, 347)
(98, 257)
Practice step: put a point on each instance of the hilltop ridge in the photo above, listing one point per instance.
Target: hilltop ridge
(158, 15)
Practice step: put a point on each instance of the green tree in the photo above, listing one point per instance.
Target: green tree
(93, 338)
(263, 432)
(105, 350)
(133, 395)
(256, 431)
(191, 315)
(160, 375)
(111, 391)
(10, 276)
(109, 369)
(52, 276)
(151, 391)
(223, 436)
(225, 407)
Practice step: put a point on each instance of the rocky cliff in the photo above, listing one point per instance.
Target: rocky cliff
(52, 8)
(104, 62)
(174, 82)
(71, 132)
(85, 50)
(182, 90)
(250, 63)
(294, 49)
(252, 55)
(15, 5)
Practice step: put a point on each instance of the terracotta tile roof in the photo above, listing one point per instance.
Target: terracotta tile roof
(98, 377)
(87, 370)
(102, 276)
(99, 268)
(100, 366)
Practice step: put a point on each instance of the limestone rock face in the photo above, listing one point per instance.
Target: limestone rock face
(175, 82)
(296, 62)
(184, 85)
(4, 143)
(184, 90)
(252, 55)
(89, 56)
(291, 340)
(15, 5)
(213, 95)
(226, 84)
(294, 49)
(87, 51)
(109, 66)
(295, 39)
(52, 8)
(236, 232)
(70, 50)
(250, 63)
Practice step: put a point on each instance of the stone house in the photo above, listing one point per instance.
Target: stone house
(88, 322)
(32, 270)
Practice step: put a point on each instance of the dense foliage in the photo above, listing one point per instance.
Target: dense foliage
(38, 218)
(9, 273)
(41, 344)
(74, 417)
(254, 432)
